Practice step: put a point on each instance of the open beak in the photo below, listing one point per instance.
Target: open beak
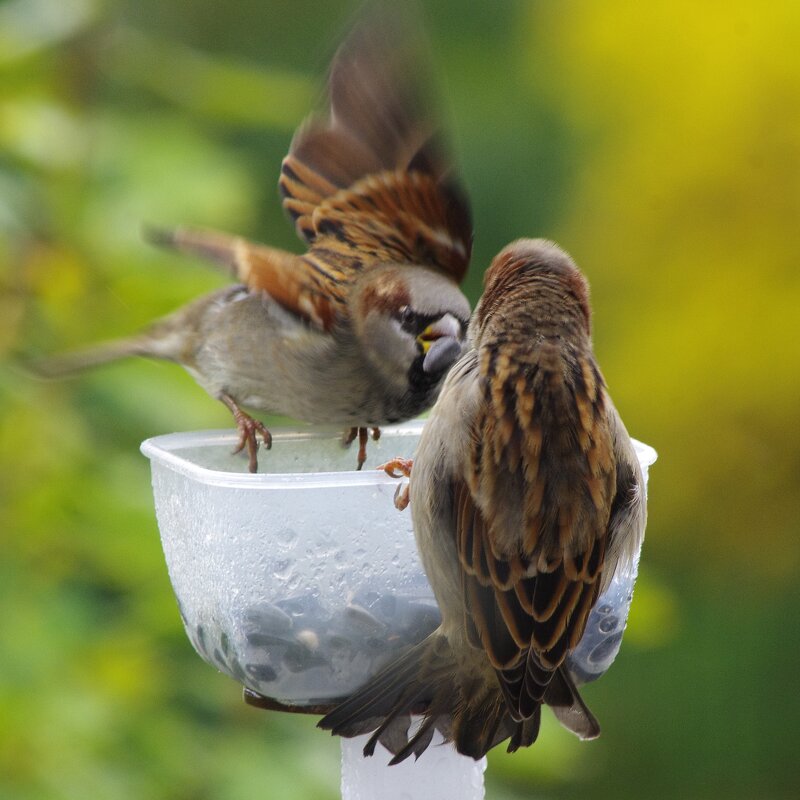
(441, 343)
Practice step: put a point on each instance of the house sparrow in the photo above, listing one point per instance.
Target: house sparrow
(361, 329)
(526, 496)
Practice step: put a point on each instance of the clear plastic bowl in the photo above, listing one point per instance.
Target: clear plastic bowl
(303, 580)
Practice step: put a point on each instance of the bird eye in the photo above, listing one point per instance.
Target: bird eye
(404, 314)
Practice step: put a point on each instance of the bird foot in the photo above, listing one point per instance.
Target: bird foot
(399, 468)
(249, 430)
(363, 435)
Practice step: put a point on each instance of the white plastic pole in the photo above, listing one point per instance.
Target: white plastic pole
(440, 772)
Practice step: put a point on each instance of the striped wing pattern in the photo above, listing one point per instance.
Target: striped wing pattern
(531, 567)
(369, 181)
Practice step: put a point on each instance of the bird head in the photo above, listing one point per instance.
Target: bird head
(410, 322)
(535, 279)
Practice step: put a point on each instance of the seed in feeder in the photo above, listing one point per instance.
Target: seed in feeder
(386, 605)
(220, 660)
(267, 617)
(337, 642)
(306, 606)
(605, 649)
(373, 644)
(261, 672)
(299, 658)
(308, 638)
(266, 640)
(425, 618)
(362, 619)
(237, 671)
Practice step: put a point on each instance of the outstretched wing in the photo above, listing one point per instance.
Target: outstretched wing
(532, 514)
(367, 183)
(370, 180)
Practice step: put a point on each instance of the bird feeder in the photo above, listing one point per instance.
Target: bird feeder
(303, 580)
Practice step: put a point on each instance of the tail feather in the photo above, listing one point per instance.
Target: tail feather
(481, 723)
(460, 699)
(418, 743)
(394, 737)
(367, 708)
(568, 706)
(66, 364)
(410, 684)
(526, 732)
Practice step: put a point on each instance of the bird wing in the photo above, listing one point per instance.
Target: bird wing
(532, 513)
(369, 181)
(295, 282)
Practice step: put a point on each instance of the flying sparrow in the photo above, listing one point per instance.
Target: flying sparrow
(526, 496)
(361, 329)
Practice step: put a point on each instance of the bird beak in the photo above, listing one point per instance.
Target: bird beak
(441, 343)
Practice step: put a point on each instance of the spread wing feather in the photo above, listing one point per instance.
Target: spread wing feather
(367, 183)
(371, 175)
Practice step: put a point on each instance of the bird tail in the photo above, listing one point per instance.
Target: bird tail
(464, 703)
(66, 364)
(409, 685)
(570, 710)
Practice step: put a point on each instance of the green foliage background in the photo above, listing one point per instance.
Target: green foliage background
(658, 142)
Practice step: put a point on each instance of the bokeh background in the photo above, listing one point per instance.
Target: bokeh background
(658, 142)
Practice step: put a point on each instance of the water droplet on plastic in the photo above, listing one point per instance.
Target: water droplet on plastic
(283, 569)
(286, 536)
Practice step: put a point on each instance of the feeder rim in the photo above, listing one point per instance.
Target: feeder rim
(166, 451)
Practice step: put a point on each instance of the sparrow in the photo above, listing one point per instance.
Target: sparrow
(360, 330)
(526, 496)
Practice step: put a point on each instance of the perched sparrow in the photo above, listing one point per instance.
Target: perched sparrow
(361, 330)
(526, 496)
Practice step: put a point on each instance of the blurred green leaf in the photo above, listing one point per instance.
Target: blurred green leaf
(230, 92)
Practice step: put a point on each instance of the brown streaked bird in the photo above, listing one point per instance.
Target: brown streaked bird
(361, 329)
(526, 496)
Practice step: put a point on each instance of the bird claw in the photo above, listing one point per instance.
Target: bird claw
(399, 468)
(402, 497)
(249, 430)
(363, 435)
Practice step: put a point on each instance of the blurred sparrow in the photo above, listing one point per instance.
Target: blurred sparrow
(526, 495)
(361, 330)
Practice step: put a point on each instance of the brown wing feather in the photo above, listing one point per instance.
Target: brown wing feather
(370, 176)
(532, 512)
(367, 184)
(308, 286)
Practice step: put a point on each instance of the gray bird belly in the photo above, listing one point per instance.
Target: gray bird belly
(268, 360)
